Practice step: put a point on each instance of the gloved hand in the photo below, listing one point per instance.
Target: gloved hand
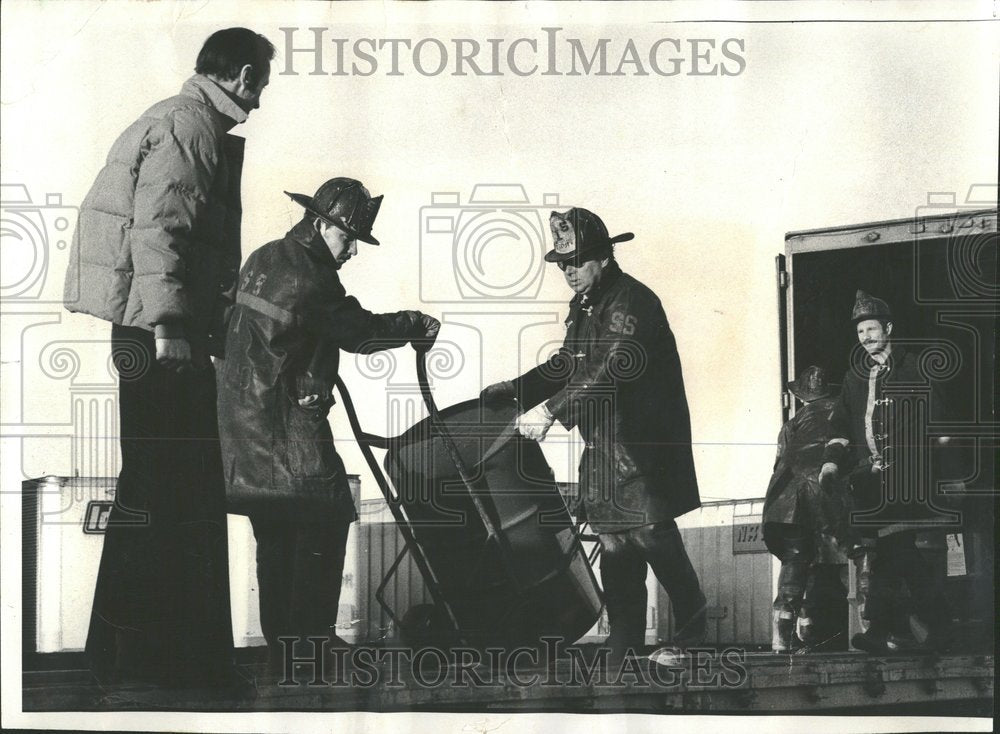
(535, 423)
(498, 391)
(431, 326)
(828, 475)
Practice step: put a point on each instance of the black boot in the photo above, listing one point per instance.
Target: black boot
(822, 619)
(673, 569)
(623, 576)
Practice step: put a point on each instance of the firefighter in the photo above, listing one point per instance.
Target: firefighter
(879, 444)
(800, 519)
(275, 386)
(618, 379)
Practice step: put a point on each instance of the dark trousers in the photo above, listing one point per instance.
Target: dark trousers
(300, 566)
(161, 604)
(902, 584)
(810, 591)
(796, 550)
(624, 558)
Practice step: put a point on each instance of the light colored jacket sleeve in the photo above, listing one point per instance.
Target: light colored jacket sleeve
(171, 194)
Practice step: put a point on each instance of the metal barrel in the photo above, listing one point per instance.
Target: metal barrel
(533, 579)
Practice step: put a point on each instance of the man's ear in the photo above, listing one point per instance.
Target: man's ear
(248, 77)
(888, 328)
(605, 261)
(318, 225)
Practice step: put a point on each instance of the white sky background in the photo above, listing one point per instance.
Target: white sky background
(829, 124)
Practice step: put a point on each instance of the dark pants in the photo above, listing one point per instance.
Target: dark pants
(796, 550)
(811, 592)
(300, 566)
(624, 558)
(161, 604)
(902, 585)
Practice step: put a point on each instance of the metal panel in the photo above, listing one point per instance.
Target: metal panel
(66, 561)
(785, 360)
(894, 230)
(738, 586)
(379, 544)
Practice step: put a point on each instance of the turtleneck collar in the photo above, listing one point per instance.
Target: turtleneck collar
(205, 89)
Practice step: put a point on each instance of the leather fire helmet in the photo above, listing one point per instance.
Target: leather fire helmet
(346, 203)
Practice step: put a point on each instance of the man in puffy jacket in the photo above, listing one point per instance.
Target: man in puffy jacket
(156, 253)
(292, 318)
(618, 379)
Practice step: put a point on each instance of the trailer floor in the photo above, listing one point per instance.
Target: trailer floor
(734, 682)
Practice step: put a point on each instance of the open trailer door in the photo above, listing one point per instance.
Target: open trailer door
(938, 272)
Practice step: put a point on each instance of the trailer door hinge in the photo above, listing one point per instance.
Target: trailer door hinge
(782, 278)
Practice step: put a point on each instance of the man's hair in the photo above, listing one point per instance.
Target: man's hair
(606, 252)
(227, 51)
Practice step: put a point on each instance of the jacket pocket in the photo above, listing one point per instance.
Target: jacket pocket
(309, 443)
(625, 464)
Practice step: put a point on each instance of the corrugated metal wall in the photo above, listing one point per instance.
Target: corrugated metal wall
(737, 585)
(379, 542)
(68, 556)
(722, 540)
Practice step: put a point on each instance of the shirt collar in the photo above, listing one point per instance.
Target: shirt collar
(202, 88)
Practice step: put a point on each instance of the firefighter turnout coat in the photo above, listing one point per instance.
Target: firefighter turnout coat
(882, 439)
(292, 317)
(794, 495)
(618, 379)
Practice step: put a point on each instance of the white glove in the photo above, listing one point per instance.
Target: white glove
(535, 423)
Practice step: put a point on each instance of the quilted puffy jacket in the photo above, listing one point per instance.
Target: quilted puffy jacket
(158, 240)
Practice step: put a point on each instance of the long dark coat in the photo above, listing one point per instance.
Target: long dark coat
(618, 378)
(883, 418)
(292, 317)
(794, 496)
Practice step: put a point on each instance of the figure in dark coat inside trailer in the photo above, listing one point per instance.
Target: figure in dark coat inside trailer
(292, 318)
(881, 443)
(801, 520)
(618, 379)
